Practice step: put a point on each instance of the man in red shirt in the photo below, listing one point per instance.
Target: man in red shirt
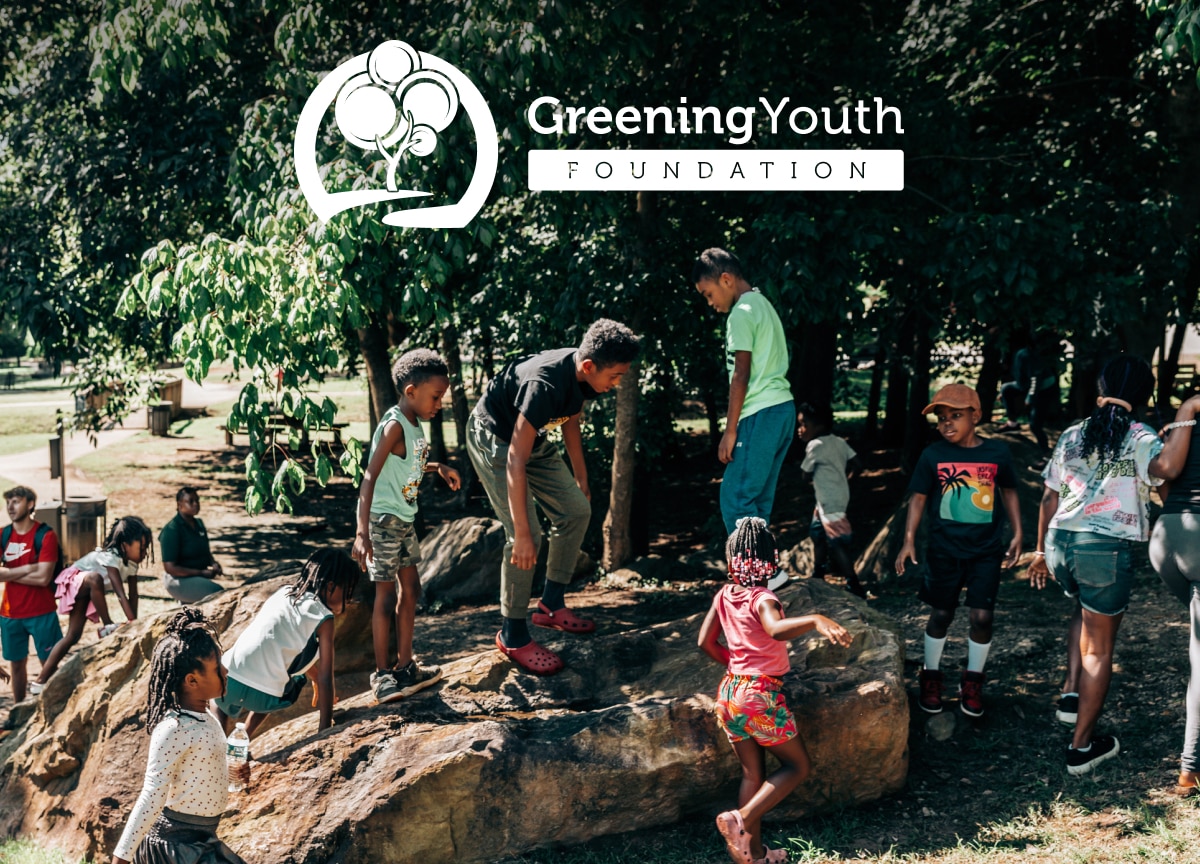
(27, 571)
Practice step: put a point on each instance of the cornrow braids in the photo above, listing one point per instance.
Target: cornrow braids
(1130, 380)
(129, 529)
(325, 569)
(188, 642)
(751, 553)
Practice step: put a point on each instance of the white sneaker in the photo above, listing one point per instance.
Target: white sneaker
(35, 689)
(108, 629)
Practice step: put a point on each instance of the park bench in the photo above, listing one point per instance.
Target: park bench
(280, 426)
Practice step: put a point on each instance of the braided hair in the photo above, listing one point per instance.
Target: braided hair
(1130, 380)
(326, 569)
(130, 529)
(188, 642)
(751, 553)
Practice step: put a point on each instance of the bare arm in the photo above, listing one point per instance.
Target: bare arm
(573, 439)
(446, 472)
(1012, 506)
(908, 552)
(738, 384)
(1038, 571)
(39, 575)
(362, 550)
(114, 579)
(324, 680)
(1169, 463)
(781, 629)
(524, 435)
(710, 631)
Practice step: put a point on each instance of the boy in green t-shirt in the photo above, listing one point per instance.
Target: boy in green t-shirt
(386, 543)
(761, 417)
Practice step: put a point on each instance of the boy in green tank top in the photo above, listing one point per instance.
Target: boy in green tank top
(385, 544)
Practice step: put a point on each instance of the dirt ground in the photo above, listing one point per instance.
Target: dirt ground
(994, 782)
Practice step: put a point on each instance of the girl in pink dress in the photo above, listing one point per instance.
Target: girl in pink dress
(750, 703)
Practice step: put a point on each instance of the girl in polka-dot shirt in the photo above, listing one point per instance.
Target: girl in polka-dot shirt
(186, 775)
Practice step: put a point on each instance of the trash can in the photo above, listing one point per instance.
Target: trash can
(85, 519)
(159, 418)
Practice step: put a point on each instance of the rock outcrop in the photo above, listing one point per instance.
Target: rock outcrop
(490, 763)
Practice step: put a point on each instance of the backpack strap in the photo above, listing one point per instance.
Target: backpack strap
(42, 530)
(5, 536)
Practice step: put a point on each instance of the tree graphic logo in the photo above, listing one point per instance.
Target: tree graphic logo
(395, 101)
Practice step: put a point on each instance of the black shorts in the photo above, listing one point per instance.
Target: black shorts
(946, 577)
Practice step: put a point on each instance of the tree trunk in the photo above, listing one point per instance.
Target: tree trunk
(459, 402)
(714, 420)
(916, 432)
(896, 404)
(373, 344)
(871, 430)
(618, 543)
(437, 438)
(989, 377)
(816, 364)
(1168, 358)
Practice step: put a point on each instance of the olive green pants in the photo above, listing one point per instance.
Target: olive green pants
(553, 488)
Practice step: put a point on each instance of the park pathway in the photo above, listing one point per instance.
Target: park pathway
(32, 467)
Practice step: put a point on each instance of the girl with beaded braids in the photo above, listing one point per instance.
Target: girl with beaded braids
(289, 640)
(184, 793)
(1095, 507)
(750, 704)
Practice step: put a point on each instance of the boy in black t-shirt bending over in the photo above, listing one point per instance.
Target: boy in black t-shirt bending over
(956, 482)
(518, 465)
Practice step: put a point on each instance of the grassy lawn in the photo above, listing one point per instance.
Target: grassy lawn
(25, 852)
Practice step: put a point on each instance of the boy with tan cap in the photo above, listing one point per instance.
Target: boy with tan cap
(957, 481)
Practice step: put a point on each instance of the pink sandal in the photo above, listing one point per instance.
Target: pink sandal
(533, 658)
(771, 856)
(564, 619)
(737, 841)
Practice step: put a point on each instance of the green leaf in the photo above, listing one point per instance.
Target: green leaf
(323, 469)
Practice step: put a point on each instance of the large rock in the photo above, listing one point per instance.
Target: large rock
(461, 561)
(492, 763)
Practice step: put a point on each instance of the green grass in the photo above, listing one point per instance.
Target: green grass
(26, 852)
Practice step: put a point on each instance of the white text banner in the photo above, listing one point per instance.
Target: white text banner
(721, 170)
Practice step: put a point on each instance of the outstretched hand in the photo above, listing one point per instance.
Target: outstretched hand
(834, 632)
(450, 476)
(1038, 572)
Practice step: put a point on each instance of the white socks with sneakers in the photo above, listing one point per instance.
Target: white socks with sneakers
(977, 655)
(933, 652)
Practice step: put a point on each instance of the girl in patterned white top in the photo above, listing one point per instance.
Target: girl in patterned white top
(186, 774)
(80, 588)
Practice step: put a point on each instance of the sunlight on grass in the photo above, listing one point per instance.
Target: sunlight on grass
(25, 852)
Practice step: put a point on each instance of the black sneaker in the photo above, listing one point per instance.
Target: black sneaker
(1104, 747)
(412, 678)
(930, 699)
(1068, 709)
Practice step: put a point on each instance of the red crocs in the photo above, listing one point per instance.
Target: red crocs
(564, 619)
(533, 658)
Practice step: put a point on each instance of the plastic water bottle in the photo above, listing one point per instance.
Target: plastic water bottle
(237, 758)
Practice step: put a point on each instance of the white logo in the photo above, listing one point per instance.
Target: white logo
(394, 101)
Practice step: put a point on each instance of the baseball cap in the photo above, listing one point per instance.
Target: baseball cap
(954, 396)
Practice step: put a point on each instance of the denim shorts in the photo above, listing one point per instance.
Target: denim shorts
(1097, 570)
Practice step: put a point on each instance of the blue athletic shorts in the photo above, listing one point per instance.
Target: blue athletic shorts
(16, 632)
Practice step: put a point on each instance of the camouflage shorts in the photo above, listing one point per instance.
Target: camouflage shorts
(395, 546)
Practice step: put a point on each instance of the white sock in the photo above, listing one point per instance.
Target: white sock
(977, 655)
(933, 652)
